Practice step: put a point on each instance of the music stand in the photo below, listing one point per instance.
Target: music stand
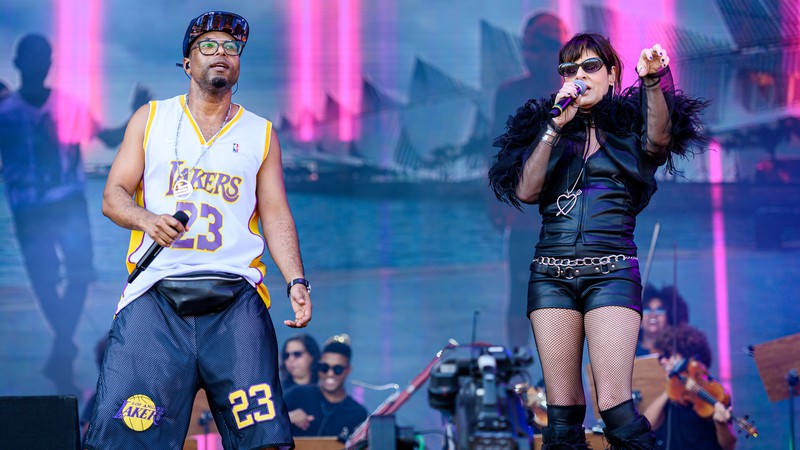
(778, 362)
(649, 381)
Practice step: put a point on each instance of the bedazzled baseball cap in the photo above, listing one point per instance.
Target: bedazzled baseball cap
(338, 344)
(224, 21)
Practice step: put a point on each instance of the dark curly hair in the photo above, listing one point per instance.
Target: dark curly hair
(311, 347)
(686, 340)
(677, 312)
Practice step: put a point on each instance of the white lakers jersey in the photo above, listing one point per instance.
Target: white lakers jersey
(223, 230)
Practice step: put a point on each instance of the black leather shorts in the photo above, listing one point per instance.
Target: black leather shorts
(618, 288)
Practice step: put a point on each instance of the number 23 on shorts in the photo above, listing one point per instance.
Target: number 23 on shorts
(262, 393)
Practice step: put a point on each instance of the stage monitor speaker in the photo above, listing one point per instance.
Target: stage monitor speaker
(49, 422)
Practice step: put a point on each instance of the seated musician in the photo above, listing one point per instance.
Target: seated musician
(678, 426)
(325, 409)
(661, 308)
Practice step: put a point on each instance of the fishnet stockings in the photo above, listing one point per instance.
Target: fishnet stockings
(559, 339)
(611, 333)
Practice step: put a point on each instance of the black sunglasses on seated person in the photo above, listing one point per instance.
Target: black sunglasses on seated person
(338, 369)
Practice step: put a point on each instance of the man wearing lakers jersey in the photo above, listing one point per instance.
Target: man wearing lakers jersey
(198, 315)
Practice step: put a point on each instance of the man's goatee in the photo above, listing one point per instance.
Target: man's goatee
(219, 82)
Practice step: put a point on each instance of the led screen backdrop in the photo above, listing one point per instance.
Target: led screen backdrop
(386, 111)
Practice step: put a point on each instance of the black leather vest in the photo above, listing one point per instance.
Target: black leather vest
(616, 185)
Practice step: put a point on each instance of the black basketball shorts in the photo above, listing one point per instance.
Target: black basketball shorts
(156, 361)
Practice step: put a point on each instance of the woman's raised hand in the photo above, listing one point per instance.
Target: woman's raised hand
(651, 60)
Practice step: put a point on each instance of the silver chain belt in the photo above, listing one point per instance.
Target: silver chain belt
(564, 262)
(571, 268)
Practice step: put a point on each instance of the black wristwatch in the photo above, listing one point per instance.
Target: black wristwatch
(302, 281)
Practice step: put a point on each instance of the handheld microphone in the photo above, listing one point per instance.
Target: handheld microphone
(562, 104)
(154, 250)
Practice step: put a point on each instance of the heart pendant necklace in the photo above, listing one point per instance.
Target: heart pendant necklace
(566, 201)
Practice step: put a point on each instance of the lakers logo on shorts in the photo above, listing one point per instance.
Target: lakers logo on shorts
(139, 412)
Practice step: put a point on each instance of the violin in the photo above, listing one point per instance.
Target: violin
(536, 402)
(689, 383)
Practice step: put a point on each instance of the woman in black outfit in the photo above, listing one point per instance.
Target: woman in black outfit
(592, 169)
(300, 357)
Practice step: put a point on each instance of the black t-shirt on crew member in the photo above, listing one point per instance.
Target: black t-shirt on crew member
(688, 430)
(330, 419)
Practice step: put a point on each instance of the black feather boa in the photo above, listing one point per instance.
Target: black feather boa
(622, 114)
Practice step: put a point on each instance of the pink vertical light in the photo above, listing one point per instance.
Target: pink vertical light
(792, 77)
(95, 63)
(566, 12)
(77, 66)
(303, 53)
(720, 264)
(349, 62)
(669, 17)
(620, 34)
(631, 25)
(668, 12)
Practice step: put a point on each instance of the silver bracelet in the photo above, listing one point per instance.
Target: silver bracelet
(550, 136)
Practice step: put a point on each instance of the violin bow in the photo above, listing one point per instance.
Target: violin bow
(653, 241)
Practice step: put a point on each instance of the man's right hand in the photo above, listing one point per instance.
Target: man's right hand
(164, 229)
(300, 419)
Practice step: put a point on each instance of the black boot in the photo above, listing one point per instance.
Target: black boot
(636, 435)
(564, 437)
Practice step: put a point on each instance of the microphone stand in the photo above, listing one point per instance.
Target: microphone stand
(205, 422)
